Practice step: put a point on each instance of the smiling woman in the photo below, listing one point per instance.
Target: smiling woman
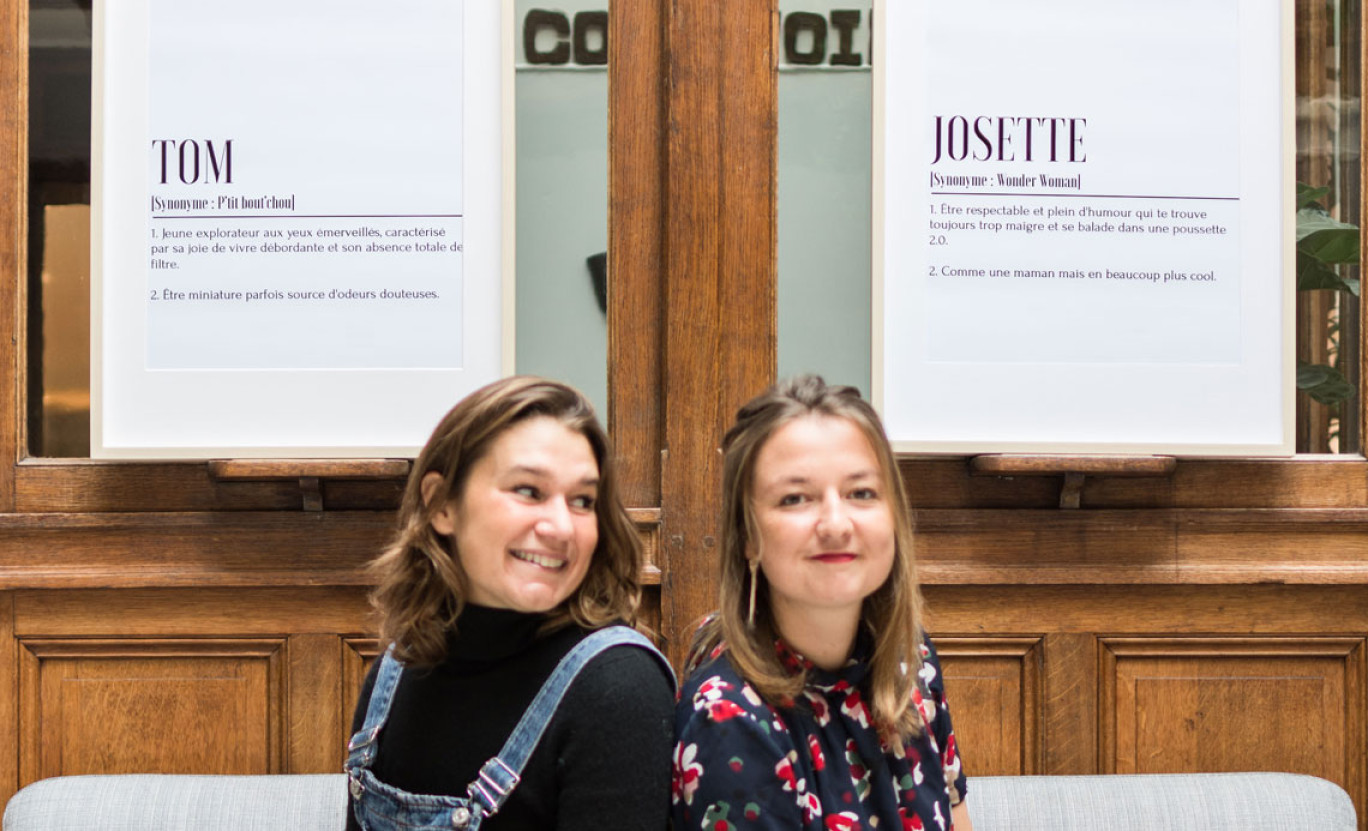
(501, 598)
(815, 700)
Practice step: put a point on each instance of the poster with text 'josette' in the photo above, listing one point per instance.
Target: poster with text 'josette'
(1083, 226)
(299, 224)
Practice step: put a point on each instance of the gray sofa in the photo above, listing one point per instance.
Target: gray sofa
(1244, 801)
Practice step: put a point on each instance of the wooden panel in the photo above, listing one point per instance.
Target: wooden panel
(1212, 704)
(316, 720)
(185, 706)
(190, 612)
(993, 688)
(1070, 734)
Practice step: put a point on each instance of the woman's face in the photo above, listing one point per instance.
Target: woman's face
(525, 526)
(824, 522)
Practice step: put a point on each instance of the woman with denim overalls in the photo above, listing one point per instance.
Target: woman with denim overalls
(513, 693)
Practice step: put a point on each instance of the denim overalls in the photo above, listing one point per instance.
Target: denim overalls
(379, 807)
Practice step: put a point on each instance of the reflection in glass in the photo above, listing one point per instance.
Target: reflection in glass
(1328, 133)
(59, 228)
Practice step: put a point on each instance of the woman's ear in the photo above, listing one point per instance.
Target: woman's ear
(444, 518)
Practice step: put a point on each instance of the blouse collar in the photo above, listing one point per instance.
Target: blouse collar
(851, 674)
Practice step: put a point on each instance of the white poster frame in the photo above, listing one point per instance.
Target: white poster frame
(335, 412)
(904, 380)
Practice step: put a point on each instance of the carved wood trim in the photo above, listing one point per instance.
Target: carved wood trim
(357, 655)
(1013, 724)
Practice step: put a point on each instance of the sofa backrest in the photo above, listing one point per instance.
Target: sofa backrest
(1159, 802)
(1167, 802)
(154, 802)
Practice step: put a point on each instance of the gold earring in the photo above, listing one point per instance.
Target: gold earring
(754, 575)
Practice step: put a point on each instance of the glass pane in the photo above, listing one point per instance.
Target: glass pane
(59, 228)
(561, 101)
(824, 196)
(824, 215)
(1328, 130)
(562, 193)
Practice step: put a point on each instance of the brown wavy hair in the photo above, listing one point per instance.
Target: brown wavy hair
(891, 614)
(421, 586)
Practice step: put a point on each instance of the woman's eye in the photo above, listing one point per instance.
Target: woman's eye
(791, 499)
(583, 503)
(864, 493)
(527, 491)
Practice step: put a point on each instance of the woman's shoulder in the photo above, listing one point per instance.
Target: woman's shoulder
(624, 672)
(715, 691)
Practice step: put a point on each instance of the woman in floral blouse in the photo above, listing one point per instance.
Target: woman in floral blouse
(814, 700)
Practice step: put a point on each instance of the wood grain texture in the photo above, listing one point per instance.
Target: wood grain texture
(9, 701)
(637, 165)
(1225, 704)
(315, 720)
(720, 279)
(1070, 731)
(357, 655)
(86, 486)
(1324, 481)
(1032, 464)
(13, 175)
(209, 611)
(267, 469)
(148, 706)
(169, 549)
(992, 685)
(1143, 547)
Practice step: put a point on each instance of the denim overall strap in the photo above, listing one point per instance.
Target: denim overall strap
(501, 774)
(361, 748)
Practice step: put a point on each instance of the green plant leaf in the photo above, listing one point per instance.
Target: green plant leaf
(1326, 238)
(1307, 195)
(1324, 383)
(1313, 274)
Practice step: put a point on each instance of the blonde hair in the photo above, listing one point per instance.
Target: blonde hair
(421, 586)
(891, 615)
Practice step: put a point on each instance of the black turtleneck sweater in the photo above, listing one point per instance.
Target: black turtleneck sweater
(603, 763)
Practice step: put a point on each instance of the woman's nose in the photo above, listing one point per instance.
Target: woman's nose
(833, 518)
(555, 522)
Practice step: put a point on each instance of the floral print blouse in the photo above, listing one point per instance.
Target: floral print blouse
(819, 765)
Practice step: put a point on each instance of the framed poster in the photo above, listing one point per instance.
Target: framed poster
(1083, 233)
(301, 223)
